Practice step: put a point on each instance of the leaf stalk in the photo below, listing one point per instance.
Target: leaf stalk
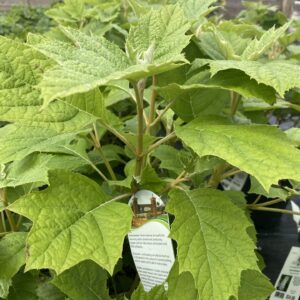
(139, 95)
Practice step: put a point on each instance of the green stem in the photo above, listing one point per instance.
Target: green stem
(290, 190)
(19, 222)
(89, 162)
(268, 203)
(216, 176)
(276, 210)
(118, 135)
(230, 173)
(97, 144)
(256, 200)
(107, 164)
(159, 117)
(235, 100)
(118, 198)
(3, 221)
(180, 178)
(1, 225)
(139, 91)
(3, 233)
(9, 216)
(81, 24)
(161, 141)
(152, 104)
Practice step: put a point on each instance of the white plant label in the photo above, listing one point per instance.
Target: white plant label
(150, 245)
(288, 283)
(235, 183)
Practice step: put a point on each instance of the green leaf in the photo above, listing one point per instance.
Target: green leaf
(191, 102)
(23, 287)
(254, 104)
(21, 69)
(230, 80)
(256, 48)
(84, 281)
(159, 37)
(16, 142)
(91, 102)
(269, 73)
(248, 147)
(4, 287)
(84, 14)
(213, 243)
(181, 286)
(34, 130)
(47, 291)
(219, 44)
(242, 29)
(12, 258)
(73, 221)
(293, 135)
(94, 61)
(58, 116)
(254, 286)
(195, 9)
(156, 293)
(274, 192)
(200, 102)
(20, 101)
(32, 168)
(71, 11)
(150, 180)
(78, 68)
(138, 8)
(172, 159)
(25, 101)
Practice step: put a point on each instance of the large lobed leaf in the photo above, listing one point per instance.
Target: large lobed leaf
(231, 41)
(195, 9)
(21, 70)
(280, 75)
(34, 168)
(34, 130)
(179, 286)
(213, 243)
(16, 142)
(24, 287)
(12, 257)
(258, 47)
(156, 293)
(260, 150)
(154, 46)
(159, 36)
(84, 281)
(194, 91)
(254, 286)
(73, 221)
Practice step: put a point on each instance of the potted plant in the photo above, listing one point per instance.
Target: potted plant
(166, 99)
